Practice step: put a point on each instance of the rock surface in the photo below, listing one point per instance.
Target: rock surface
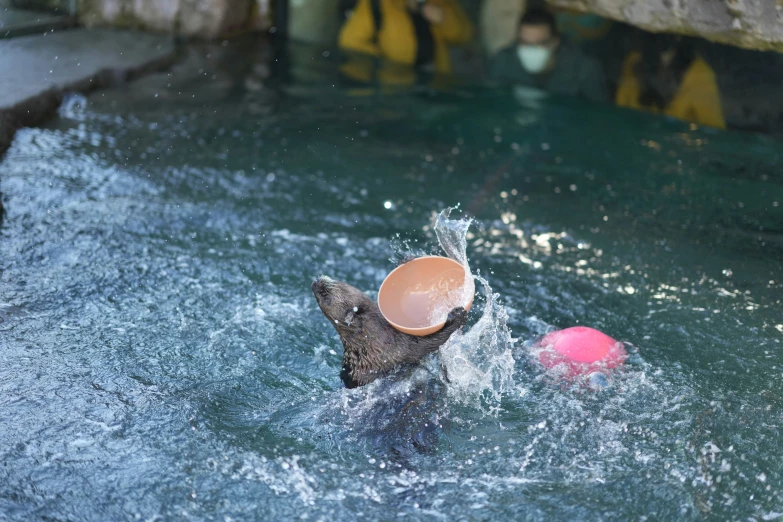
(753, 24)
(196, 18)
(46, 67)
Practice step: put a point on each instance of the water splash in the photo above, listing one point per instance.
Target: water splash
(478, 363)
(452, 236)
(397, 416)
(474, 369)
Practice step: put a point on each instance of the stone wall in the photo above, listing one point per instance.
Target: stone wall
(194, 18)
(753, 24)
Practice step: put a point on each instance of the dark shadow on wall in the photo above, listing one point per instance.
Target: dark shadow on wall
(749, 81)
(750, 85)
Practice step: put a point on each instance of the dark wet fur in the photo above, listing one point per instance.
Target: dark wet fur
(403, 425)
(372, 347)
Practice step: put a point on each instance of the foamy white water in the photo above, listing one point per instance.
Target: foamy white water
(478, 362)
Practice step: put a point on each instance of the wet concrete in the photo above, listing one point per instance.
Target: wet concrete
(17, 22)
(41, 68)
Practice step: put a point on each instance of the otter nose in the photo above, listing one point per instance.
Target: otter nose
(321, 284)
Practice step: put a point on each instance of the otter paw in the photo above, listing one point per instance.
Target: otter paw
(405, 259)
(458, 317)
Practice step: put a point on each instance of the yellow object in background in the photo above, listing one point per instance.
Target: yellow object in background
(697, 100)
(366, 70)
(396, 40)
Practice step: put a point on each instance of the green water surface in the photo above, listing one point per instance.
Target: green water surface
(162, 357)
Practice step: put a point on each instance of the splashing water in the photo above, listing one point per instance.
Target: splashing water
(160, 344)
(453, 236)
(478, 363)
(401, 413)
(477, 367)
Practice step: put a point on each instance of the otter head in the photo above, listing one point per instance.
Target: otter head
(341, 303)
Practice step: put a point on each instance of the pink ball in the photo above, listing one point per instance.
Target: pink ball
(583, 350)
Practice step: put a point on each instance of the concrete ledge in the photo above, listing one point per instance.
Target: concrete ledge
(38, 70)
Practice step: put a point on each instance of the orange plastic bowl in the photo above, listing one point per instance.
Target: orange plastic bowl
(416, 297)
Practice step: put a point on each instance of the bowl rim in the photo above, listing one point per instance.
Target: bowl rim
(419, 331)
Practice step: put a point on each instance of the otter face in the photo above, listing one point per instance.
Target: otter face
(340, 302)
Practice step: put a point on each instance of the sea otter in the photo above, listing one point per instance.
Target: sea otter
(373, 347)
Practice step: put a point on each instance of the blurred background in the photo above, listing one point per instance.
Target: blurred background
(726, 71)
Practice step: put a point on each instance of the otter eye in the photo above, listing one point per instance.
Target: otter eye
(350, 316)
